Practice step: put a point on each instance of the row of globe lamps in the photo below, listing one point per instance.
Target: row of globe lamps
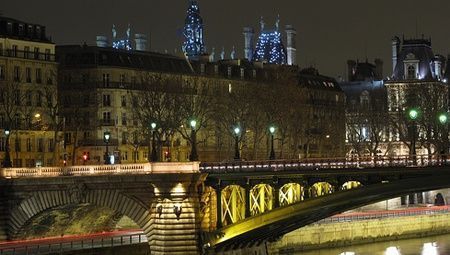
(109, 159)
(193, 156)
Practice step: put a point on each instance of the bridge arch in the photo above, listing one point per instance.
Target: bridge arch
(321, 188)
(261, 199)
(351, 185)
(42, 201)
(233, 204)
(291, 193)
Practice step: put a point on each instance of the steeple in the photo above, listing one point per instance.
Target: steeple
(193, 45)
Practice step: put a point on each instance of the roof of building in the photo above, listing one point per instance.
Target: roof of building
(16, 29)
(415, 49)
(89, 56)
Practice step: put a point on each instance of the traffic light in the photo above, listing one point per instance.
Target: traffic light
(85, 157)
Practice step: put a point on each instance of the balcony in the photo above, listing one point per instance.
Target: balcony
(27, 55)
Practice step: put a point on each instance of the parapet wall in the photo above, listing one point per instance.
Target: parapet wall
(328, 235)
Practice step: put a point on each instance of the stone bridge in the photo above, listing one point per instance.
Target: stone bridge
(187, 208)
(161, 198)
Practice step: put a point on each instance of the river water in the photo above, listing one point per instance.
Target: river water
(436, 245)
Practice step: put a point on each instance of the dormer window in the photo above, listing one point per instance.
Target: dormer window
(411, 72)
(411, 67)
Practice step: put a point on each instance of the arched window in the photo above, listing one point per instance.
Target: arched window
(364, 99)
(411, 72)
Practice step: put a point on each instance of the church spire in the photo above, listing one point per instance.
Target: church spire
(193, 45)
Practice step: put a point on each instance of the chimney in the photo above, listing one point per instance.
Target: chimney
(102, 41)
(378, 69)
(141, 42)
(248, 48)
(351, 65)
(291, 45)
(395, 48)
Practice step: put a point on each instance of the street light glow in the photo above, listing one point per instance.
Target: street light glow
(153, 125)
(443, 118)
(6, 132)
(413, 114)
(107, 136)
(237, 130)
(193, 123)
(272, 130)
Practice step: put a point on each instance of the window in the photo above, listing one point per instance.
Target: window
(124, 137)
(124, 118)
(122, 80)
(38, 75)
(21, 30)
(28, 75)
(123, 101)
(17, 144)
(17, 121)
(105, 80)
(2, 143)
(26, 52)
(17, 97)
(47, 54)
(229, 71)
(28, 144)
(67, 138)
(36, 53)
(1, 49)
(242, 73)
(51, 145)
(40, 144)
(17, 74)
(14, 51)
(411, 72)
(2, 72)
(29, 96)
(106, 117)
(106, 100)
(39, 99)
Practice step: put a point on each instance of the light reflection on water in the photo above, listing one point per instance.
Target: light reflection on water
(436, 245)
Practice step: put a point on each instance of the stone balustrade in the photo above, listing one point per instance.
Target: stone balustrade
(145, 168)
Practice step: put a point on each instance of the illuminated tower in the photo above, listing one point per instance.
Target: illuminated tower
(193, 45)
(248, 48)
(291, 47)
(269, 47)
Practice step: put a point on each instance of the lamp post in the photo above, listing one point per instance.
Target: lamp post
(272, 151)
(154, 157)
(413, 114)
(237, 155)
(7, 161)
(443, 119)
(106, 138)
(193, 156)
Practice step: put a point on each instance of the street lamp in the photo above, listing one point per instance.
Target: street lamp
(413, 115)
(443, 119)
(272, 151)
(7, 161)
(154, 157)
(237, 155)
(193, 156)
(106, 138)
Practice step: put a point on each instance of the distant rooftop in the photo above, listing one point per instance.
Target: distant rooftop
(16, 29)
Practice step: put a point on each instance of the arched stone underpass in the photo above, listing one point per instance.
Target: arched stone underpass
(42, 201)
(73, 219)
(273, 224)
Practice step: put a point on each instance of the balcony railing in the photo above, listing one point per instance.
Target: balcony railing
(326, 163)
(27, 55)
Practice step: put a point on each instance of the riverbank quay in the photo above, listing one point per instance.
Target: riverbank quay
(365, 227)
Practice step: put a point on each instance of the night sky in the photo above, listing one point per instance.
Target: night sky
(328, 32)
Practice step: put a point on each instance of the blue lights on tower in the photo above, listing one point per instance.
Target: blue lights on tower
(269, 47)
(122, 44)
(193, 31)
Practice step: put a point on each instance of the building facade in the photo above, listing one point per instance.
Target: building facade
(28, 94)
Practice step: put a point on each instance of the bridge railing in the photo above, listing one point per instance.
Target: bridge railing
(59, 247)
(325, 163)
(146, 168)
(386, 214)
